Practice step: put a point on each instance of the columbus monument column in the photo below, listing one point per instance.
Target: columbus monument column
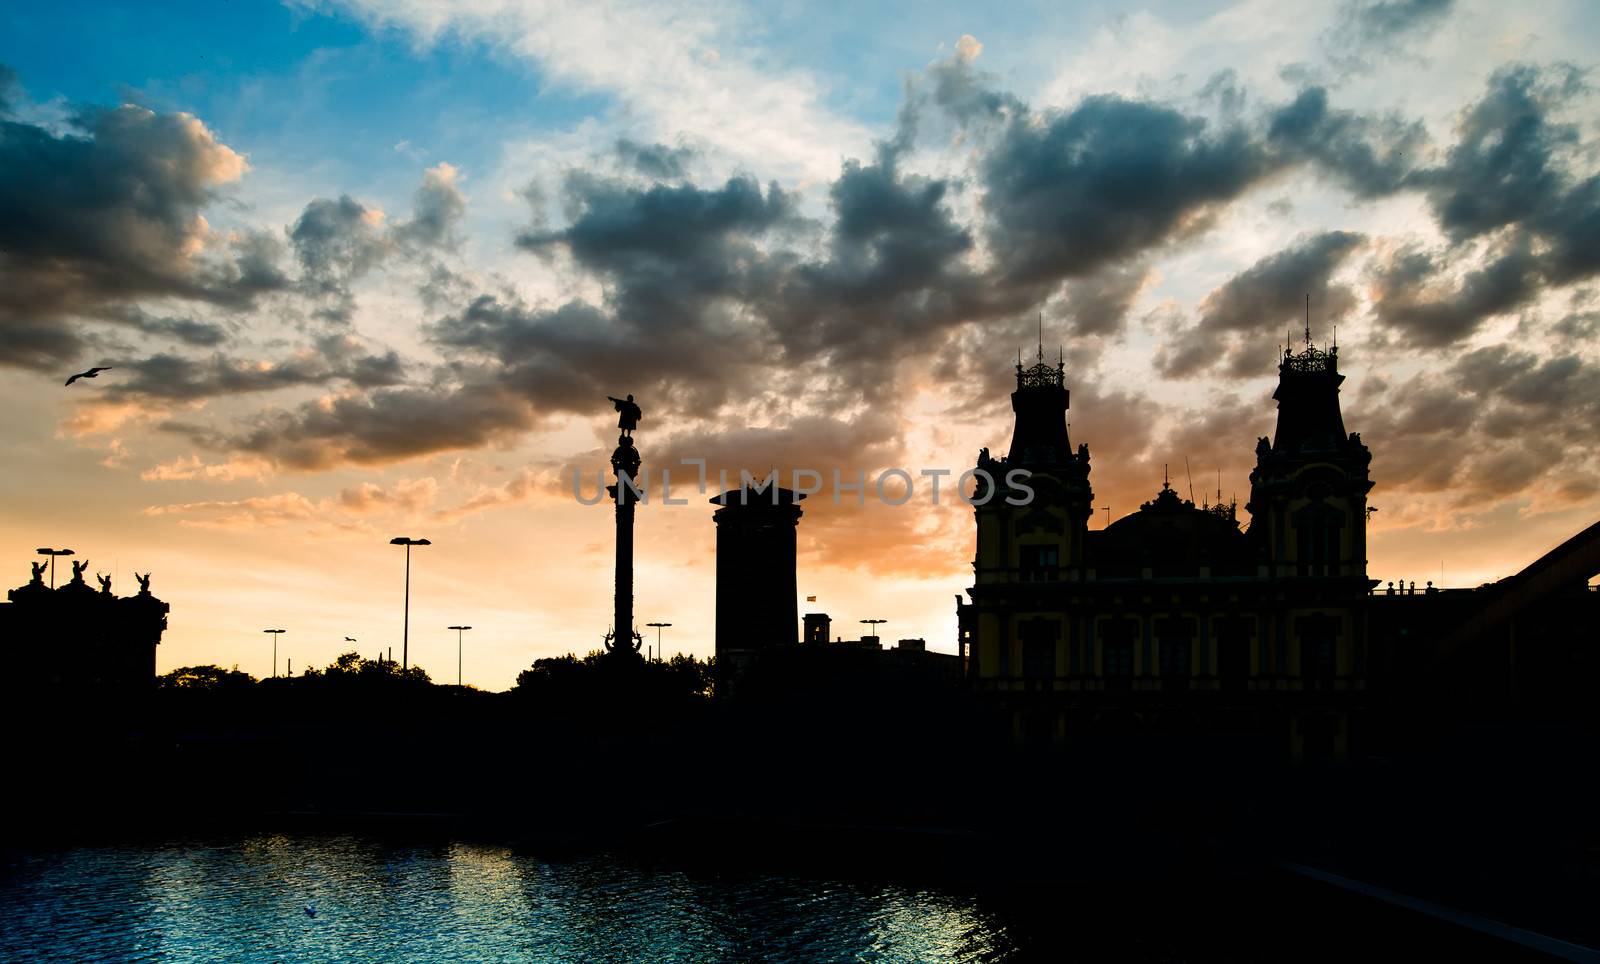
(623, 641)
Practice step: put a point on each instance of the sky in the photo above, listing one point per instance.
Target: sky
(368, 269)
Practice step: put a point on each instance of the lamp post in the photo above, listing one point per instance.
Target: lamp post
(875, 623)
(405, 633)
(275, 634)
(52, 553)
(459, 630)
(660, 657)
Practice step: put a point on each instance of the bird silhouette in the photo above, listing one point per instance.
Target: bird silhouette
(349, 639)
(91, 373)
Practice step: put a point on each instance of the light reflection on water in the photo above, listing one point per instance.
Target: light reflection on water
(244, 900)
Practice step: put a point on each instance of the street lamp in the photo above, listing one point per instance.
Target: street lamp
(875, 623)
(52, 553)
(275, 634)
(660, 657)
(405, 637)
(459, 630)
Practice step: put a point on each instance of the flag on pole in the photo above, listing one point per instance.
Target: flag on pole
(811, 599)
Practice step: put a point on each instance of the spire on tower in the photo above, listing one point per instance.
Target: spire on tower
(1308, 319)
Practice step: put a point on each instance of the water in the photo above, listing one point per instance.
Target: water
(245, 899)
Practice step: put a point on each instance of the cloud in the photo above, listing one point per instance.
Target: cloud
(374, 428)
(1370, 156)
(666, 250)
(105, 212)
(437, 209)
(189, 467)
(336, 242)
(408, 496)
(1099, 304)
(1070, 192)
(1365, 29)
(185, 378)
(656, 161)
(674, 71)
(1238, 318)
(1415, 293)
(269, 512)
(10, 85)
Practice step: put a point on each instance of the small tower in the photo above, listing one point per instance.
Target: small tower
(1308, 492)
(756, 587)
(1031, 531)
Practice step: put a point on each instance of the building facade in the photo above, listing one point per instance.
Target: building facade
(1176, 616)
(77, 638)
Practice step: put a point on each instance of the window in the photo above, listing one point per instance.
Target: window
(1117, 650)
(1039, 563)
(1039, 649)
(1317, 528)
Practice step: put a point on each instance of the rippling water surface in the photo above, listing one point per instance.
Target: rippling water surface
(245, 900)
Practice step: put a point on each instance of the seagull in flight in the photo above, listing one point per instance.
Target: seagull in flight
(91, 373)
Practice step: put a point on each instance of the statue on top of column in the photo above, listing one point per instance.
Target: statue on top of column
(628, 414)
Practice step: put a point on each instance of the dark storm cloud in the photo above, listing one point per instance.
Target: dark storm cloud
(184, 378)
(1505, 195)
(1242, 317)
(104, 214)
(895, 272)
(1493, 425)
(1504, 166)
(1414, 294)
(378, 427)
(1110, 179)
(656, 161)
(191, 331)
(1370, 156)
(667, 251)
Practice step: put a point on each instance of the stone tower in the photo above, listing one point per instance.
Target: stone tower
(757, 605)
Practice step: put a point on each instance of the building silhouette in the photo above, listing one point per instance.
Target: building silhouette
(757, 607)
(1175, 617)
(75, 637)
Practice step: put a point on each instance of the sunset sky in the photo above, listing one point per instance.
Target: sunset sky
(370, 269)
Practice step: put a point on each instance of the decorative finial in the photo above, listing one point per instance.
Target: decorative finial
(1308, 319)
(1041, 337)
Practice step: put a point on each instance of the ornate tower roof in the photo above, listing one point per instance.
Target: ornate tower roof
(1308, 399)
(1040, 403)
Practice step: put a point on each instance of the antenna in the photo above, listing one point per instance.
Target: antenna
(1166, 477)
(1041, 337)
(1308, 319)
(1219, 487)
(1190, 477)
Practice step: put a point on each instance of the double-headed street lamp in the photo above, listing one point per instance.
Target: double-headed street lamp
(660, 656)
(52, 553)
(875, 623)
(275, 634)
(459, 630)
(405, 637)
